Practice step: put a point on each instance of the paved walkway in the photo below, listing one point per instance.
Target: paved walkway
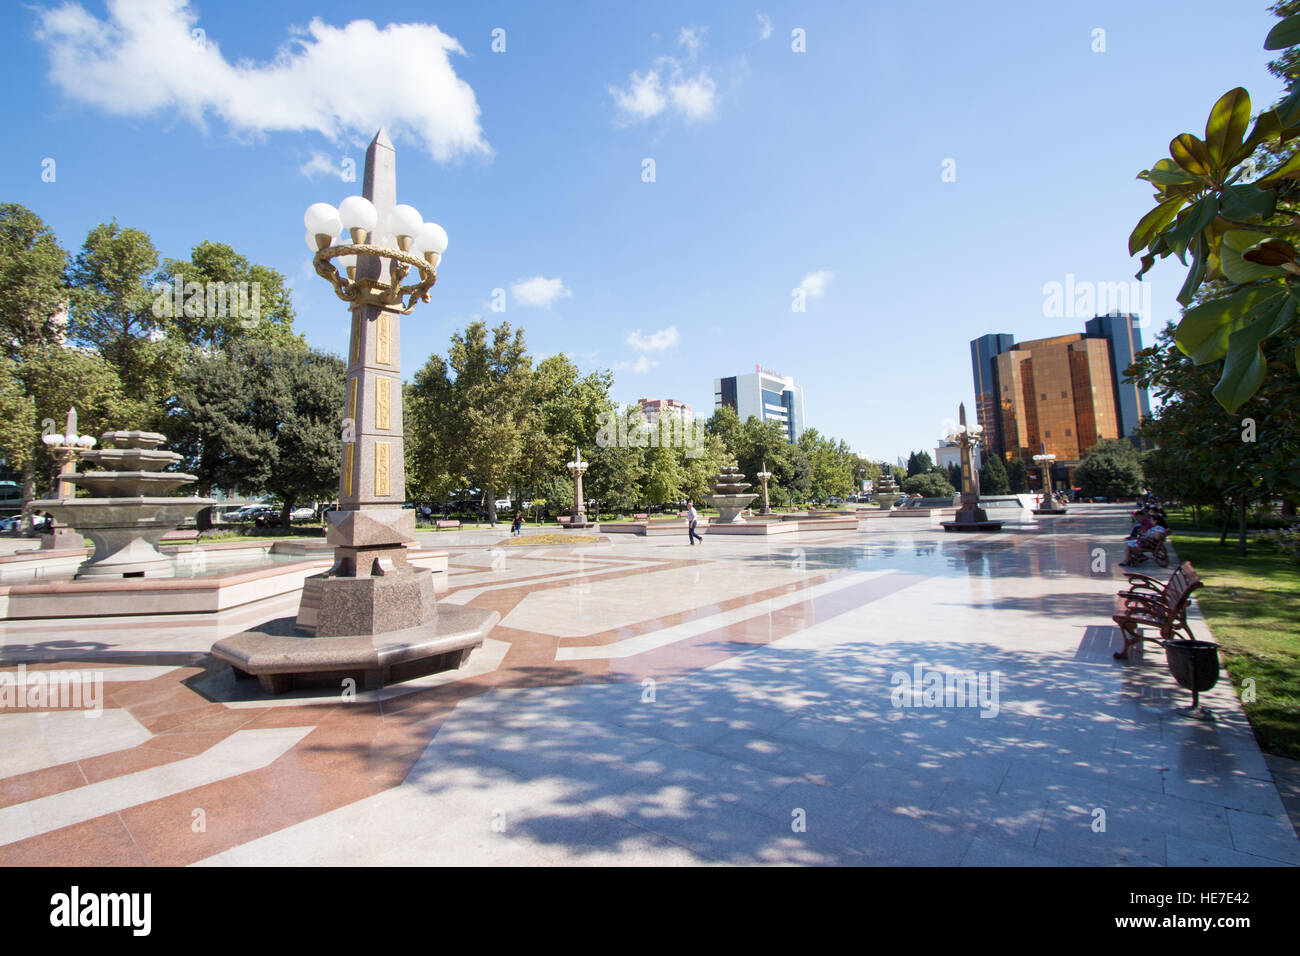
(888, 696)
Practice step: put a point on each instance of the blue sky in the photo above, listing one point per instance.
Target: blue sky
(772, 168)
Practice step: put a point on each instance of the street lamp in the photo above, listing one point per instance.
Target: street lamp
(420, 245)
(366, 248)
(970, 516)
(765, 476)
(1045, 463)
(576, 468)
(65, 449)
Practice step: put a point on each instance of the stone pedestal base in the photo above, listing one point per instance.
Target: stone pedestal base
(62, 538)
(137, 559)
(278, 657)
(334, 606)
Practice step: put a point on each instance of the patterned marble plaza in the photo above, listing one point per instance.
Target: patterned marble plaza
(886, 696)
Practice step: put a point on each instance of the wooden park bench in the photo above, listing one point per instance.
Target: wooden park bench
(641, 516)
(1161, 607)
(564, 519)
(444, 524)
(1153, 544)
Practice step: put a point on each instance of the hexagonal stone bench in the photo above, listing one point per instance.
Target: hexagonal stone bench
(276, 654)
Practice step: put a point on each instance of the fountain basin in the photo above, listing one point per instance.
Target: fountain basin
(730, 507)
(130, 484)
(126, 531)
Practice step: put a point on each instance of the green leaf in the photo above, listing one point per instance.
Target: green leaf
(1153, 223)
(1227, 125)
(1197, 273)
(1245, 366)
(1288, 109)
(1285, 34)
(1167, 173)
(1267, 127)
(1191, 154)
(1246, 201)
(1191, 223)
(1236, 268)
(1204, 330)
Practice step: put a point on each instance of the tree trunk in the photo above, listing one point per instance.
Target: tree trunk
(1226, 508)
(491, 494)
(1241, 539)
(1196, 510)
(285, 512)
(29, 484)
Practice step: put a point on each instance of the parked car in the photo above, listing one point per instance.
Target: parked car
(302, 514)
(12, 523)
(11, 498)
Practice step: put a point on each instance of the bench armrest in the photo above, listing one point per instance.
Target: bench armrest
(1144, 580)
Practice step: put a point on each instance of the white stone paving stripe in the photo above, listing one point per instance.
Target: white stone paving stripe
(466, 595)
(241, 752)
(654, 640)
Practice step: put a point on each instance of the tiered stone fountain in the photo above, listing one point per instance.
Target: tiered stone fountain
(886, 492)
(131, 509)
(729, 495)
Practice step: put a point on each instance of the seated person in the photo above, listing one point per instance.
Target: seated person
(1133, 544)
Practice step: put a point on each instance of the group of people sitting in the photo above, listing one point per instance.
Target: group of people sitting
(1149, 527)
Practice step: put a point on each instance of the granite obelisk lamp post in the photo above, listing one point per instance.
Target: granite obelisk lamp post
(765, 476)
(1047, 504)
(64, 449)
(970, 516)
(577, 468)
(376, 607)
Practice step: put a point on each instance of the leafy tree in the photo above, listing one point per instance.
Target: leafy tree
(564, 412)
(1205, 456)
(112, 312)
(929, 485)
(33, 288)
(476, 404)
(1238, 222)
(954, 475)
(663, 478)
(260, 308)
(919, 463)
(259, 419)
(994, 479)
(726, 425)
(53, 380)
(617, 470)
(1111, 468)
(1018, 476)
(308, 437)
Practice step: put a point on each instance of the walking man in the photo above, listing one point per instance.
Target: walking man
(691, 518)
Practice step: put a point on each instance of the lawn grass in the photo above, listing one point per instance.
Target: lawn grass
(1252, 605)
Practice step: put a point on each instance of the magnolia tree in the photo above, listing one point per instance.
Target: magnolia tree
(1229, 201)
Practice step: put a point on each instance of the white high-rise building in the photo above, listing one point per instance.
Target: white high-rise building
(764, 395)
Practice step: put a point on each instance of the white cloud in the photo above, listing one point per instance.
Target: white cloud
(539, 292)
(692, 38)
(667, 86)
(648, 95)
(814, 283)
(639, 367)
(656, 341)
(320, 164)
(143, 59)
(765, 26)
(643, 98)
(694, 98)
